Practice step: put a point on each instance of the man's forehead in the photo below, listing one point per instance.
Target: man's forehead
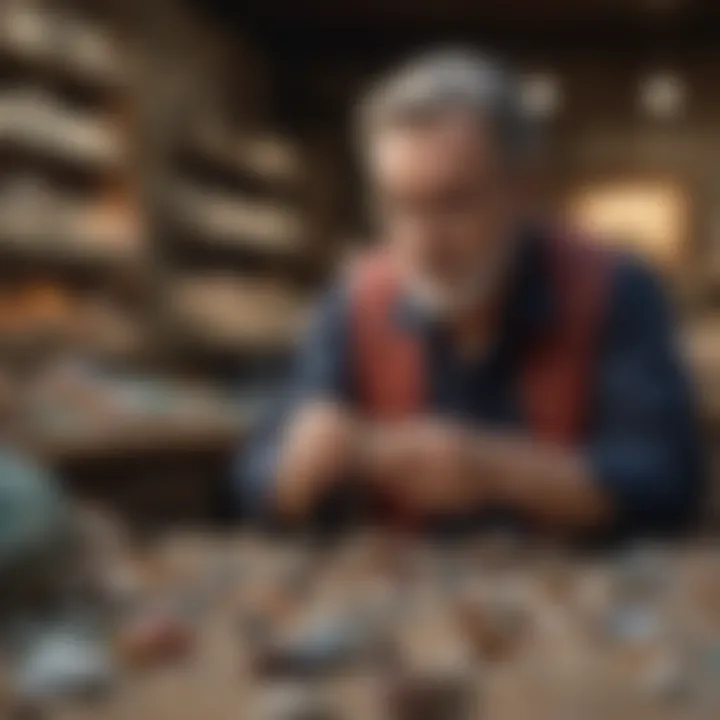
(453, 142)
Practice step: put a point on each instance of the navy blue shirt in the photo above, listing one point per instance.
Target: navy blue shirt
(643, 447)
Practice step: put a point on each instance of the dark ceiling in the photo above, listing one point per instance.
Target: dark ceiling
(346, 27)
(319, 48)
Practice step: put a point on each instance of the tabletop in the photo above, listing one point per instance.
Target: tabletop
(378, 626)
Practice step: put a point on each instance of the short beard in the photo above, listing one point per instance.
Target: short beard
(474, 292)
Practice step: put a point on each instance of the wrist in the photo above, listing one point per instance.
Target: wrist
(318, 453)
(488, 453)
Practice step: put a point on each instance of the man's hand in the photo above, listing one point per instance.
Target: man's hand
(318, 449)
(438, 467)
(427, 466)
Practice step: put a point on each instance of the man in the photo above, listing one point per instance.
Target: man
(474, 367)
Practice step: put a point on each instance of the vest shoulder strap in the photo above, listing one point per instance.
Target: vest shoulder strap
(389, 365)
(560, 368)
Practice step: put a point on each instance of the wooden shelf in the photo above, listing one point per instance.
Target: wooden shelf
(46, 251)
(32, 346)
(43, 228)
(41, 318)
(230, 220)
(60, 47)
(33, 124)
(268, 159)
(233, 314)
(73, 410)
(122, 439)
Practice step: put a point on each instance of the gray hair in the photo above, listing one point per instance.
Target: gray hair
(433, 84)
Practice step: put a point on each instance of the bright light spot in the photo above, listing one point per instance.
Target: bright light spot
(663, 95)
(541, 94)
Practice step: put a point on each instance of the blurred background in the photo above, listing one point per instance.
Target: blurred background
(177, 183)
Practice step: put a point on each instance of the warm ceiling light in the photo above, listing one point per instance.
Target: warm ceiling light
(541, 94)
(663, 95)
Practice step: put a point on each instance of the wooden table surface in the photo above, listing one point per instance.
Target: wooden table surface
(558, 661)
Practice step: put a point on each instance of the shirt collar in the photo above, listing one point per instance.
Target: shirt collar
(530, 305)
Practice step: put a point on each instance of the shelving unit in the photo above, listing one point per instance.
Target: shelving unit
(228, 312)
(161, 227)
(237, 238)
(59, 46)
(71, 221)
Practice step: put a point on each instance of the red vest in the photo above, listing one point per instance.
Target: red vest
(557, 381)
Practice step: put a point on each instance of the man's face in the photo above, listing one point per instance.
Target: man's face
(446, 207)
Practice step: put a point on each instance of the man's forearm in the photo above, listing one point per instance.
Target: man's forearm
(317, 449)
(437, 468)
(552, 486)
